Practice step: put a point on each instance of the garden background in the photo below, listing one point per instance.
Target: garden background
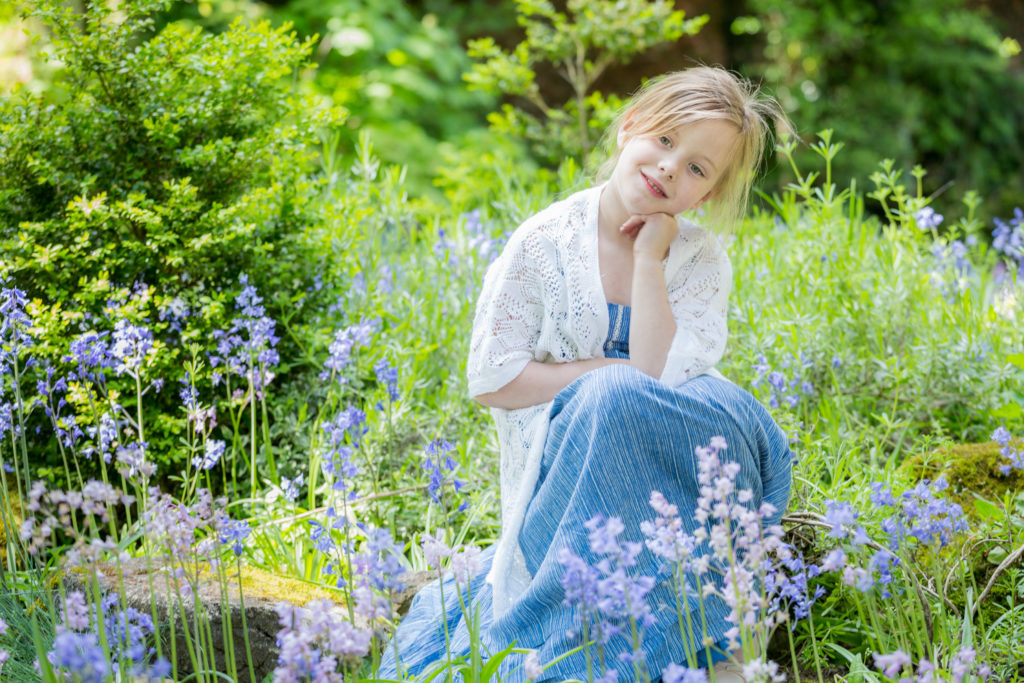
(240, 247)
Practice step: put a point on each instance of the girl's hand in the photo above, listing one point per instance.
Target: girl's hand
(651, 233)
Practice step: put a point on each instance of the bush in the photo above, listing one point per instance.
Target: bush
(919, 81)
(159, 167)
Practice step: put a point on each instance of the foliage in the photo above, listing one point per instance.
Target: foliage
(579, 45)
(394, 66)
(919, 81)
(158, 168)
(330, 309)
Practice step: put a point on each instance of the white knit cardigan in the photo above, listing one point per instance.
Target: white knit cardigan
(543, 300)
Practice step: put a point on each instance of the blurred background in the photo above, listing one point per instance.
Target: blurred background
(935, 82)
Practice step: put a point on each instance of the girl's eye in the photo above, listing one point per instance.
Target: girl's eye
(696, 169)
(664, 139)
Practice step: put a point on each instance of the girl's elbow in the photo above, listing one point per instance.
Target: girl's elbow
(486, 400)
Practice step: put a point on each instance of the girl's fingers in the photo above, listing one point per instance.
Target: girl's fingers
(632, 224)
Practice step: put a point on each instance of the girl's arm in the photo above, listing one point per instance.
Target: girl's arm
(540, 382)
(651, 324)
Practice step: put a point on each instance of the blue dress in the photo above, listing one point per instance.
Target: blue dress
(615, 435)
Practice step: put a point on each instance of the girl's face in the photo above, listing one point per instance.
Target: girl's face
(670, 171)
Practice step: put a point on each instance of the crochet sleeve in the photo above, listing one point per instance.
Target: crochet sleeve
(509, 314)
(699, 298)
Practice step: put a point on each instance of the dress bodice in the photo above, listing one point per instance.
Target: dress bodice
(616, 344)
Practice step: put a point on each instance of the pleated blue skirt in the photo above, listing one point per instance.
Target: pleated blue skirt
(615, 436)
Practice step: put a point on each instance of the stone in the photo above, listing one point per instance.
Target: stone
(970, 469)
(147, 587)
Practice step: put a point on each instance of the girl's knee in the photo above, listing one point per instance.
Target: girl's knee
(616, 382)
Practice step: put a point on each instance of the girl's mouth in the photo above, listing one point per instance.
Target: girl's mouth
(653, 186)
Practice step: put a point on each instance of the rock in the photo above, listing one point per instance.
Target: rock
(414, 581)
(969, 468)
(148, 588)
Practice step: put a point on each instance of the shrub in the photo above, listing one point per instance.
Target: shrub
(159, 167)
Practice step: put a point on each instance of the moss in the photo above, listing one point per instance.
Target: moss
(267, 585)
(970, 468)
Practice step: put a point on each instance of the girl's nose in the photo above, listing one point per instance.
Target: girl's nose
(668, 168)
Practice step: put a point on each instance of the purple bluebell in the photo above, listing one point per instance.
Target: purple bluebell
(347, 427)
(212, 452)
(189, 396)
(315, 641)
(290, 487)
(341, 348)
(132, 458)
(1013, 454)
(80, 657)
(927, 219)
(841, 517)
(105, 434)
(388, 377)
(14, 321)
(91, 355)
(234, 531)
(675, 673)
(132, 345)
(787, 583)
(248, 347)
(438, 464)
(891, 664)
(379, 561)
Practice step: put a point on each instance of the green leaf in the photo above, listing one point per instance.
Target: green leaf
(996, 555)
(988, 509)
(1008, 411)
(491, 667)
(1016, 359)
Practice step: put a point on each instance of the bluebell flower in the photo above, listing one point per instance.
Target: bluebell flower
(132, 458)
(1014, 455)
(446, 250)
(927, 219)
(341, 348)
(132, 345)
(321, 537)
(234, 532)
(290, 487)
(676, 673)
(247, 348)
(315, 640)
(106, 435)
(387, 376)
(14, 321)
(80, 656)
(91, 354)
(839, 514)
(438, 464)
(891, 664)
(379, 561)
(212, 453)
(881, 496)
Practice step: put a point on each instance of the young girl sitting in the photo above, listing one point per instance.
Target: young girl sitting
(594, 343)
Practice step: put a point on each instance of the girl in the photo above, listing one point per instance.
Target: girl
(594, 343)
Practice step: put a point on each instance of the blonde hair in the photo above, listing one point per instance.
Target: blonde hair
(700, 94)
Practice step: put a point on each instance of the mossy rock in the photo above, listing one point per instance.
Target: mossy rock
(145, 585)
(971, 469)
